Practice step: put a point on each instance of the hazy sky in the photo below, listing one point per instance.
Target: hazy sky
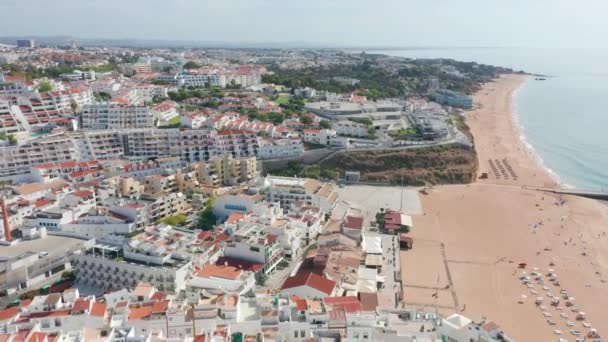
(543, 23)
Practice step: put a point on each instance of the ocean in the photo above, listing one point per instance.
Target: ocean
(563, 120)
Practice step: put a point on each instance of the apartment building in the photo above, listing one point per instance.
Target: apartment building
(349, 128)
(225, 170)
(279, 148)
(253, 245)
(319, 136)
(98, 145)
(68, 170)
(116, 116)
(152, 143)
(9, 122)
(165, 111)
(219, 278)
(291, 192)
(16, 160)
(106, 267)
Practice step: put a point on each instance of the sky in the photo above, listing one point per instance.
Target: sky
(521, 23)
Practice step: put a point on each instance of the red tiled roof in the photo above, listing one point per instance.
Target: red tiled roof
(98, 309)
(81, 304)
(57, 313)
(37, 336)
(9, 313)
(219, 271)
(41, 202)
(311, 280)
(348, 303)
(235, 217)
(158, 296)
(353, 222)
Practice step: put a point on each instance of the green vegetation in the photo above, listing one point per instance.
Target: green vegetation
(380, 218)
(364, 121)
(191, 65)
(281, 100)
(45, 86)
(206, 218)
(297, 169)
(441, 164)
(201, 93)
(175, 121)
(160, 82)
(377, 81)
(134, 233)
(102, 96)
(55, 71)
(178, 220)
(404, 78)
(402, 133)
(325, 124)
(12, 140)
(306, 120)
(371, 133)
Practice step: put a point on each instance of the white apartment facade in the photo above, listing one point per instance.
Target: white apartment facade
(116, 116)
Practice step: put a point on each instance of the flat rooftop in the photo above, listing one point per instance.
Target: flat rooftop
(50, 244)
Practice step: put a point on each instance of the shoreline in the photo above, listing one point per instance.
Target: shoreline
(534, 154)
(507, 144)
(470, 238)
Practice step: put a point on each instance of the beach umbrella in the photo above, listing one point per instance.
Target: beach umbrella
(523, 296)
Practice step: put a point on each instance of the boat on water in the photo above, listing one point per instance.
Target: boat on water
(540, 79)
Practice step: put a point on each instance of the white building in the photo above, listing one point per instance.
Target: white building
(353, 129)
(290, 191)
(101, 266)
(218, 279)
(116, 116)
(279, 148)
(319, 136)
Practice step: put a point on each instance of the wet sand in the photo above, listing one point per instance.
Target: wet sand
(488, 227)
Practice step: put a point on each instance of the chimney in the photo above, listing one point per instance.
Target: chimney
(7, 227)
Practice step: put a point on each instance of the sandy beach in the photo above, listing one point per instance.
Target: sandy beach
(471, 238)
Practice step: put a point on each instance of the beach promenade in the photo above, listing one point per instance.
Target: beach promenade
(470, 239)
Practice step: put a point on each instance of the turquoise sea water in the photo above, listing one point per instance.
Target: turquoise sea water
(563, 120)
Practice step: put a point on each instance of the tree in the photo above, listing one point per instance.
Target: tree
(45, 86)
(207, 219)
(176, 221)
(306, 120)
(12, 139)
(102, 96)
(325, 124)
(74, 106)
(276, 117)
(191, 65)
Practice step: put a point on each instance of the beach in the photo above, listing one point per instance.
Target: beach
(470, 239)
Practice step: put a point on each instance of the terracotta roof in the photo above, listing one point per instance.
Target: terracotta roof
(37, 336)
(235, 217)
(220, 271)
(369, 301)
(348, 303)
(9, 313)
(353, 222)
(57, 313)
(312, 280)
(98, 309)
(81, 304)
(137, 313)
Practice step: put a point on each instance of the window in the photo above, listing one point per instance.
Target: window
(295, 334)
(302, 333)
